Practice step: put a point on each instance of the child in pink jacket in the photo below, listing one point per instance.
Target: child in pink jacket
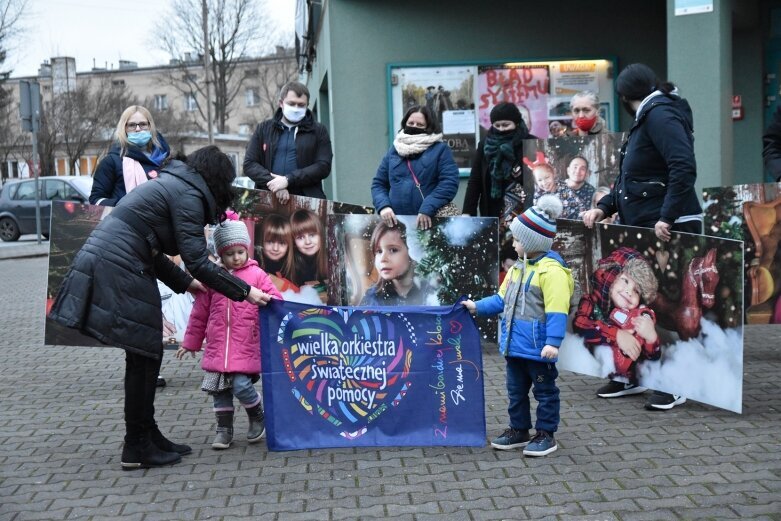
(231, 358)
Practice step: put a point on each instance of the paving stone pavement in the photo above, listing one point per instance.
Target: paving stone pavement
(61, 433)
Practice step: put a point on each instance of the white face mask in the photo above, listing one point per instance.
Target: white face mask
(293, 114)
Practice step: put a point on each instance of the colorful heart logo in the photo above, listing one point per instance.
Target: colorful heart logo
(349, 367)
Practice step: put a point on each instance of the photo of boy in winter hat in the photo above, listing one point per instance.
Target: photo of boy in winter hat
(616, 312)
(535, 297)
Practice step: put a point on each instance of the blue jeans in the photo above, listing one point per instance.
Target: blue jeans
(522, 375)
(242, 388)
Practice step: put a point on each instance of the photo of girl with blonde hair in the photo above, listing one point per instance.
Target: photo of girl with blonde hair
(276, 255)
(396, 284)
(310, 259)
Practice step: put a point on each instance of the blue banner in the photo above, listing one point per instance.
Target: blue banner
(348, 376)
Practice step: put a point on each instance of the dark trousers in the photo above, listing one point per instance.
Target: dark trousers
(523, 375)
(140, 385)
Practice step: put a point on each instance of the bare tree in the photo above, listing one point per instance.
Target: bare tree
(75, 119)
(236, 31)
(273, 77)
(11, 14)
(175, 126)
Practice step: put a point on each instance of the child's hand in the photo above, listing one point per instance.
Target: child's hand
(550, 352)
(628, 344)
(644, 326)
(470, 305)
(181, 352)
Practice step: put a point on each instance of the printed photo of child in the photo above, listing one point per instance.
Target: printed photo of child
(310, 259)
(616, 312)
(396, 282)
(276, 251)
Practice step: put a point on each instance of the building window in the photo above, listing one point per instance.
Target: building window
(244, 129)
(251, 73)
(190, 103)
(118, 83)
(251, 97)
(161, 102)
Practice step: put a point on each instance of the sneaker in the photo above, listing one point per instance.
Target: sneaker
(511, 439)
(659, 401)
(615, 389)
(542, 444)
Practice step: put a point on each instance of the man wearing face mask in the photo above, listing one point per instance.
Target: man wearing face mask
(291, 152)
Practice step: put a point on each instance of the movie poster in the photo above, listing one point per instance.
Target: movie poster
(448, 92)
(528, 86)
(665, 316)
(752, 213)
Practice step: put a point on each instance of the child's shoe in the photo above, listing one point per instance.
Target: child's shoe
(542, 444)
(660, 401)
(224, 436)
(511, 439)
(257, 424)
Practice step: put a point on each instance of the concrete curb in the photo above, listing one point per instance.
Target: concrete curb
(17, 251)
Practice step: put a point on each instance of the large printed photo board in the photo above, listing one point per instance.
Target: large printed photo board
(461, 96)
(751, 213)
(666, 316)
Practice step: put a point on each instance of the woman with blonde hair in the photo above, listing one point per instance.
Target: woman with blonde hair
(137, 155)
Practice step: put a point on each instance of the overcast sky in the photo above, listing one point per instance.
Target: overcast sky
(104, 30)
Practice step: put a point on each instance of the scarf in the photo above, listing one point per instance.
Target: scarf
(407, 145)
(132, 173)
(499, 150)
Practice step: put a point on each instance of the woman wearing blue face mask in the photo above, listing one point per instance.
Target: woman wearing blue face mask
(137, 156)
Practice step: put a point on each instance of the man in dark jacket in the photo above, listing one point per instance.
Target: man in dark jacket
(771, 151)
(290, 153)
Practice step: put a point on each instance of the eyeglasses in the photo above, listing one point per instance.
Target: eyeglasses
(140, 126)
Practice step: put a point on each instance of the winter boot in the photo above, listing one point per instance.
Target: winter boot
(257, 424)
(163, 443)
(143, 454)
(224, 436)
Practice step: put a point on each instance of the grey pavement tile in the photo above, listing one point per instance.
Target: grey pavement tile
(660, 514)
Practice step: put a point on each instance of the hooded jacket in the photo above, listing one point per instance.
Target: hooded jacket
(535, 297)
(313, 155)
(110, 291)
(658, 170)
(394, 187)
(231, 329)
(108, 184)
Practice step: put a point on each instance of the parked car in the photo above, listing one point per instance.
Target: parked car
(17, 202)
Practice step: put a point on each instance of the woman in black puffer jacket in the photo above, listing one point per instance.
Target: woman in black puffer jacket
(110, 291)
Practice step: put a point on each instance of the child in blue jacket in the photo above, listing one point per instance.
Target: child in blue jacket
(535, 297)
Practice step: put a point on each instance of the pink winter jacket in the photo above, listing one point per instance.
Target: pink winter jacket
(231, 329)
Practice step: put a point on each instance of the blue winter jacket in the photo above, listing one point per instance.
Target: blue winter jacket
(535, 297)
(108, 185)
(393, 184)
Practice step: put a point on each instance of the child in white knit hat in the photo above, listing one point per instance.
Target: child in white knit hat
(231, 357)
(535, 297)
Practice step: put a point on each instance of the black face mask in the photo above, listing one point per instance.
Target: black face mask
(414, 131)
(628, 107)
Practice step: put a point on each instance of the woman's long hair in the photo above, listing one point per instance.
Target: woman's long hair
(638, 80)
(217, 170)
(306, 221)
(277, 229)
(122, 128)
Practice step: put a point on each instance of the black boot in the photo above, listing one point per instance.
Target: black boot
(224, 436)
(143, 454)
(163, 443)
(257, 425)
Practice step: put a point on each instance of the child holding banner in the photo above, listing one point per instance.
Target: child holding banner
(535, 297)
(231, 358)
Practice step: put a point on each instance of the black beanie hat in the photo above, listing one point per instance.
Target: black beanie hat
(636, 81)
(506, 111)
